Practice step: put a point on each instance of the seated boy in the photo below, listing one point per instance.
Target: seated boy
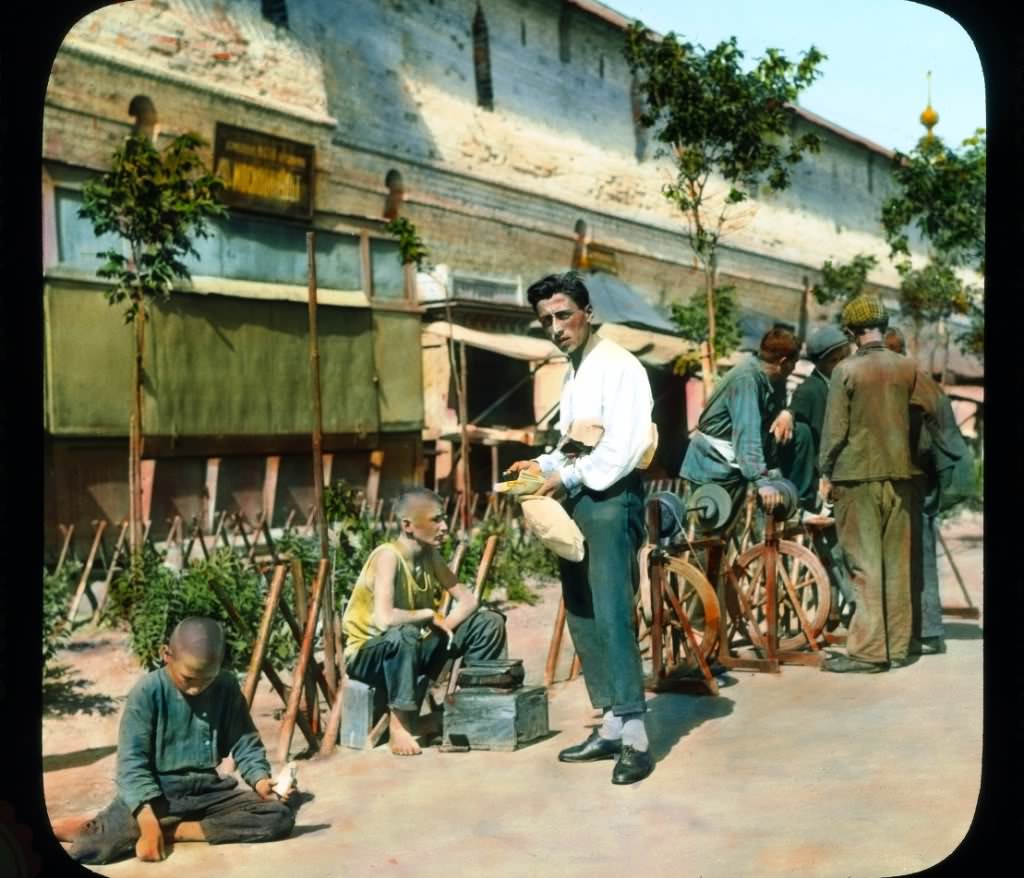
(393, 632)
(179, 722)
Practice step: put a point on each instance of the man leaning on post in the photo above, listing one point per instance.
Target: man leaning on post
(866, 467)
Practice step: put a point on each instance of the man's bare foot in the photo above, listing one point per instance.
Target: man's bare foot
(400, 737)
(69, 828)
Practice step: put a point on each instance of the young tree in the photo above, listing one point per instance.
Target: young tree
(942, 194)
(712, 117)
(155, 201)
(839, 282)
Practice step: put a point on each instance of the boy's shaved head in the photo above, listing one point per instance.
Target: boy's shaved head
(200, 638)
(413, 498)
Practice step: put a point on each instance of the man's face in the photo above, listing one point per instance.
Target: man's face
(566, 324)
(190, 675)
(780, 371)
(832, 359)
(425, 523)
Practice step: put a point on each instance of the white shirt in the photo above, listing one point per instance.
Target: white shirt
(611, 386)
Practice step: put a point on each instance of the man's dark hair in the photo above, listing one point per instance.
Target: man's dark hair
(777, 345)
(569, 283)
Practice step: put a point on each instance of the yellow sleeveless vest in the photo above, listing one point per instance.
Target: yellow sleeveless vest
(410, 594)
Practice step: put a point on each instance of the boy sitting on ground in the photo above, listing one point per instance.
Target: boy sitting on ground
(179, 722)
(395, 638)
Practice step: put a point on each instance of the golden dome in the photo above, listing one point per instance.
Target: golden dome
(929, 118)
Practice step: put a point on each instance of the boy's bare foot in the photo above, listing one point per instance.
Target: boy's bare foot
(401, 739)
(69, 828)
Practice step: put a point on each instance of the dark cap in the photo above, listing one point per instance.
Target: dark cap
(824, 340)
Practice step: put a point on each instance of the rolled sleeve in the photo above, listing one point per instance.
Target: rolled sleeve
(136, 776)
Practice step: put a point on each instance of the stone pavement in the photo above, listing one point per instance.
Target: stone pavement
(801, 773)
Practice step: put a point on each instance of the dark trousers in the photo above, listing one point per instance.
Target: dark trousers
(926, 603)
(599, 594)
(225, 812)
(797, 461)
(396, 660)
(873, 520)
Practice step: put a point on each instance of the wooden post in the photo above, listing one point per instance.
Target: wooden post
(273, 466)
(118, 546)
(268, 668)
(464, 458)
(556, 644)
(68, 532)
(481, 574)
(330, 664)
(373, 479)
(84, 581)
(260, 647)
(299, 587)
(292, 713)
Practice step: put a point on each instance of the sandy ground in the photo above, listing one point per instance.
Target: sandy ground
(798, 773)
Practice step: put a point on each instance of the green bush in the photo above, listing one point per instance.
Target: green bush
(57, 591)
(153, 598)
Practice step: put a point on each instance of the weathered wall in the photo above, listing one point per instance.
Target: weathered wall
(392, 84)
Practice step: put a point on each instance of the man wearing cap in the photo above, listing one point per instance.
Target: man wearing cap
(866, 468)
(605, 498)
(745, 427)
(933, 452)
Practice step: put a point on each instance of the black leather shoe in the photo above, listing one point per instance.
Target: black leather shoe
(632, 765)
(843, 664)
(591, 750)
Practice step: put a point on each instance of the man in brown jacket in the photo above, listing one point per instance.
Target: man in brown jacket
(865, 462)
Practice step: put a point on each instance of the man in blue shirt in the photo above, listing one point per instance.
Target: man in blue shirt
(745, 428)
(179, 723)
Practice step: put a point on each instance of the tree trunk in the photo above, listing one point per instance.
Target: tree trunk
(709, 282)
(136, 432)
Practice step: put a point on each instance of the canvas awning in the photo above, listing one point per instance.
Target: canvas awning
(519, 347)
(650, 348)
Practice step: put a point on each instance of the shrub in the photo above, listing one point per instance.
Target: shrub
(57, 591)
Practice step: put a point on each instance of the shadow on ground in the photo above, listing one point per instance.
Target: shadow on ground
(672, 717)
(963, 631)
(77, 758)
(63, 694)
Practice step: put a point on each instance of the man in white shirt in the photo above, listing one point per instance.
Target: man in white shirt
(604, 496)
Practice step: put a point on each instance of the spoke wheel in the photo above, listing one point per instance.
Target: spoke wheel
(688, 593)
(803, 595)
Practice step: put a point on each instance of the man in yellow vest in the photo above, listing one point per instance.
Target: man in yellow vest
(394, 633)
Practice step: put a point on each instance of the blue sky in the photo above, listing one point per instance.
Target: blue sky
(879, 52)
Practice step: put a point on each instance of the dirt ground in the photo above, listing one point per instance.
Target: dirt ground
(796, 773)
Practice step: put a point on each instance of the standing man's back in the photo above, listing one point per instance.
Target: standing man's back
(865, 460)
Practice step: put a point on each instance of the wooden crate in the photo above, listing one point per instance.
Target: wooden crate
(495, 719)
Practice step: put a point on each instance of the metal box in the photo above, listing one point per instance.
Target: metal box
(496, 719)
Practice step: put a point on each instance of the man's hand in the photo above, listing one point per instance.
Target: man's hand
(530, 465)
(770, 497)
(782, 427)
(551, 484)
(150, 846)
(264, 788)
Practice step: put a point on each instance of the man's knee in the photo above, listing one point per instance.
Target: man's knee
(405, 637)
